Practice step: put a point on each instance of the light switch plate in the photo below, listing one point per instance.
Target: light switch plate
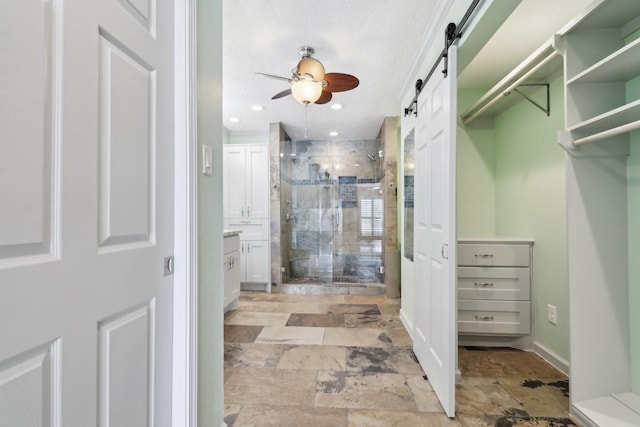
(207, 160)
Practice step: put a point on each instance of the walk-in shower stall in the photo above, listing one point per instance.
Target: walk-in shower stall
(332, 204)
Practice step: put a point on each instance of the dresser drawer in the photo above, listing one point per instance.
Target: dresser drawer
(488, 254)
(494, 317)
(231, 243)
(252, 229)
(494, 283)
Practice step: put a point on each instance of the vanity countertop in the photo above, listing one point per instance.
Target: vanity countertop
(229, 233)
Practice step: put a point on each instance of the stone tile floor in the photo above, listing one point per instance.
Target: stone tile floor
(346, 360)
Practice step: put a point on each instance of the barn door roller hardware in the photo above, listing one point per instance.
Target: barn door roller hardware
(451, 33)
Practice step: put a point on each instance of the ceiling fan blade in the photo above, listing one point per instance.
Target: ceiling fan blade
(271, 76)
(324, 97)
(282, 94)
(339, 82)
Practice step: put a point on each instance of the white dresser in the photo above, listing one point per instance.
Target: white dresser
(494, 291)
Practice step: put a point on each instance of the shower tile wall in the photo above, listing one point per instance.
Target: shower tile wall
(327, 180)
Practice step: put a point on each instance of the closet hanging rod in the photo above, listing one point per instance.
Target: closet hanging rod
(511, 87)
(607, 133)
(452, 33)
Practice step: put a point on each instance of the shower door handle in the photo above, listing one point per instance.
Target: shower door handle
(337, 219)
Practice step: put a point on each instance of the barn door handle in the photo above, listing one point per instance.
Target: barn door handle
(445, 251)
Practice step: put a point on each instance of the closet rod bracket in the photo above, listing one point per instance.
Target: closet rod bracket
(546, 109)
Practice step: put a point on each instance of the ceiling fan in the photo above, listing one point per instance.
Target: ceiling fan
(309, 82)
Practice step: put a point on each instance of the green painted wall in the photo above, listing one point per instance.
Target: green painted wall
(633, 188)
(475, 174)
(530, 203)
(252, 139)
(210, 273)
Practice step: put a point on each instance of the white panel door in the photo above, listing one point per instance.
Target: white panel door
(233, 172)
(435, 342)
(86, 212)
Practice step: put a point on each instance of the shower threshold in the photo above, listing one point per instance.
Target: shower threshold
(329, 286)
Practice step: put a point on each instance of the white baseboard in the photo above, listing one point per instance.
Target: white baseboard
(558, 362)
(522, 342)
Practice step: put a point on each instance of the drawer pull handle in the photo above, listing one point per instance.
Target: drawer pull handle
(483, 255)
(483, 284)
(484, 317)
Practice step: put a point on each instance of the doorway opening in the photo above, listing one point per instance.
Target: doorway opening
(332, 207)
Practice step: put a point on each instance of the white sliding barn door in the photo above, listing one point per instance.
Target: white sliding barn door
(435, 342)
(86, 212)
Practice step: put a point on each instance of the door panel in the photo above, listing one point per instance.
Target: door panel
(32, 66)
(86, 181)
(127, 91)
(29, 387)
(126, 355)
(435, 341)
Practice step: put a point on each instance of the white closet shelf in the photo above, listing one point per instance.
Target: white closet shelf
(620, 66)
(613, 118)
(540, 67)
(609, 14)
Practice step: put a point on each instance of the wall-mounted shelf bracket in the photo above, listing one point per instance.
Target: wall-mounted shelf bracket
(547, 108)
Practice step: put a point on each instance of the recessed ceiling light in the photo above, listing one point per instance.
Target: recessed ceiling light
(257, 108)
(333, 133)
(234, 120)
(336, 106)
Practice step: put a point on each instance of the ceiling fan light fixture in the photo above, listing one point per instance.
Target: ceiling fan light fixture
(312, 67)
(306, 91)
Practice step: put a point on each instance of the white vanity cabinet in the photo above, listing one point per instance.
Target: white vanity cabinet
(246, 208)
(232, 269)
(494, 288)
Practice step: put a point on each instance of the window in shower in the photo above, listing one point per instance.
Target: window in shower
(371, 215)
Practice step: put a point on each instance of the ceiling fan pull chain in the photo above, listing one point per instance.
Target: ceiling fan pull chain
(306, 113)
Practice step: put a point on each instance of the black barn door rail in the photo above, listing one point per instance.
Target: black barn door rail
(451, 33)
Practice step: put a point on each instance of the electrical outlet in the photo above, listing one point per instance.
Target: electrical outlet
(551, 314)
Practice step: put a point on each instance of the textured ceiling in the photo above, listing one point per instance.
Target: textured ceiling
(375, 40)
(378, 41)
